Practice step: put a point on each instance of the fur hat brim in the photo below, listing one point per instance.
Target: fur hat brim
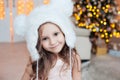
(35, 20)
(41, 15)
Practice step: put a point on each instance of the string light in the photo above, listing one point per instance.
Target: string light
(107, 6)
(102, 36)
(101, 30)
(46, 1)
(119, 12)
(101, 22)
(94, 30)
(11, 21)
(105, 31)
(78, 6)
(90, 14)
(105, 23)
(94, 13)
(24, 6)
(110, 35)
(20, 7)
(113, 25)
(107, 40)
(98, 10)
(2, 9)
(94, 7)
(103, 8)
(29, 6)
(114, 33)
(106, 34)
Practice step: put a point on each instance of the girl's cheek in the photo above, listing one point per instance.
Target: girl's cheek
(45, 43)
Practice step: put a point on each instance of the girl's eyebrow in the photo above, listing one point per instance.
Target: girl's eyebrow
(43, 36)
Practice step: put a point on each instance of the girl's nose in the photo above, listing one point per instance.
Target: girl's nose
(52, 41)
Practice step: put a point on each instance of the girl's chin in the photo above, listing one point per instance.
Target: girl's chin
(56, 51)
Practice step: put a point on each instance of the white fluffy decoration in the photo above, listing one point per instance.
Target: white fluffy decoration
(65, 6)
(58, 12)
(20, 25)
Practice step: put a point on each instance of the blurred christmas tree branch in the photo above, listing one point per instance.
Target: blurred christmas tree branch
(99, 16)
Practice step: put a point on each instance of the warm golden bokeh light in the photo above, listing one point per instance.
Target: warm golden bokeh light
(2, 9)
(46, 1)
(24, 7)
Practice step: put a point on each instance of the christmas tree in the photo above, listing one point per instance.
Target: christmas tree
(99, 16)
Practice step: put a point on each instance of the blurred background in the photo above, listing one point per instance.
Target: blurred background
(97, 27)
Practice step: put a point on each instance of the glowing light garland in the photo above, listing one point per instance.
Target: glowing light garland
(11, 20)
(2, 9)
(24, 6)
(98, 16)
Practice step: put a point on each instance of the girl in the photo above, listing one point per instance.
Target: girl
(50, 39)
(54, 62)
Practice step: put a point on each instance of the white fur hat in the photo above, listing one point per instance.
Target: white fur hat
(54, 12)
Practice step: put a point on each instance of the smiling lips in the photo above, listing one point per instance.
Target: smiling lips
(54, 46)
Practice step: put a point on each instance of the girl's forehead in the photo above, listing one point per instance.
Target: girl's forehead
(48, 27)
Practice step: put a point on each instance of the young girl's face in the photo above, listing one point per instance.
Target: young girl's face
(52, 39)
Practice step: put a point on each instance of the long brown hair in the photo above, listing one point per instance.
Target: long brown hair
(47, 59)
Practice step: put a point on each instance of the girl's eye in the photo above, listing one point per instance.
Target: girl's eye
(43, 39)
(56, 33)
